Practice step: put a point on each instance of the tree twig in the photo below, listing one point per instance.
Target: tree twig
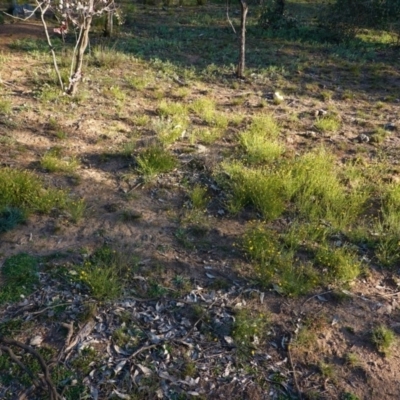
(47, 379)
(228, 18)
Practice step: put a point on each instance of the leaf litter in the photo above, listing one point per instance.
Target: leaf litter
(168, 346)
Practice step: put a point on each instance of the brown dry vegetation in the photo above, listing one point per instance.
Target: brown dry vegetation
(165, 87)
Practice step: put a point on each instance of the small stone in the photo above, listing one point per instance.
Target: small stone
(390, 127)
(36, 340)
(320, 113)
(363, 138)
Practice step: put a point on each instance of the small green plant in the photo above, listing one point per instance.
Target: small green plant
(198, 198)
(105, 57)
(204, 108)
(349, 396)
(352, 360)
(75, 208)
(259, 141)
(329, 123)
(5, 107)
(169, 129)
(206, 135)
(24, 190)
(56, 129)
(183, 239)
(327, 370)
(378, 135)
(277, 265)
(141, 120)
(383, 338)
(170, 109)
(137, 82)
(263, 189)
(52, 162)
(130, 215)
(101, 273)
(128, 148)
(339, 264)
(249, 330)
(10, 217)
(20, 277)
(154, 160)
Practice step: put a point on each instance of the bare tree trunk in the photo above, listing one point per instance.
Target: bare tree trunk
(109, 24)
(242, 53)
(83, 41)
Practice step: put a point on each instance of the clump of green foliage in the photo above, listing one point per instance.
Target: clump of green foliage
(383, 338)
(10, 217)
(102, 272)
(249, 330)
(260, 140)
(53, 161)
(155, 160)
(20, 277)
(25, 191)
(265, 190)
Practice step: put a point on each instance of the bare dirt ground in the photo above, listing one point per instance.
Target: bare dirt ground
(338, 323)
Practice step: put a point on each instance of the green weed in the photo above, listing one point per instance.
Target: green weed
(339, 264)
(207, 135)
(199, 198)
(259, 141)
(277, 265)
(10, 217)
(352, 360)
(102, 274)
(263, 189)
(383, 338)
(5, 107)
(20, 277)
(52, 161)
(169, 129)
(327, 370)
(317, 191)
(170, 109)
(329, 123)
(24, 190)
(249, 330)
(75, 208)
(105, 57)
(154, 160)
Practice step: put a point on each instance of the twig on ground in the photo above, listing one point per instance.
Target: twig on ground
(47, 379)
(296, 383)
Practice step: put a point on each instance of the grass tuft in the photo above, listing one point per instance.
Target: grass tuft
(20, 276)
(155, 160)
(383, 338)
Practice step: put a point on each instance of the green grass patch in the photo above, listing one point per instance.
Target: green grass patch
(155, 160)
(10, 217)
(19, 277)
(277, 265)
(24, 190)
(170, 129)
(340, 264)
(329, 123)
(102, 273)
(259, 141)
(265, 190)
(53, 161)
(383, 338)
(249, 330)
